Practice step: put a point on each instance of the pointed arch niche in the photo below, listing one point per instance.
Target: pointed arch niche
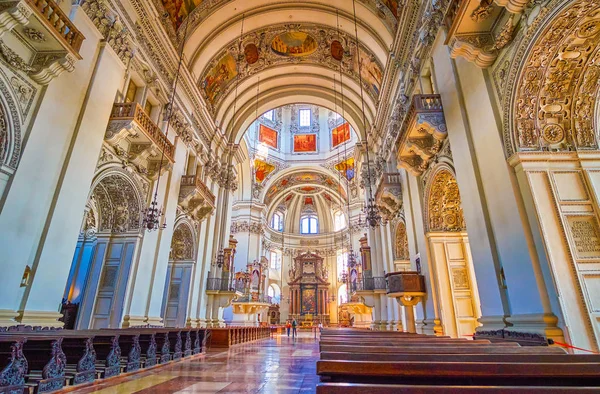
(451, 262)
(401, 251)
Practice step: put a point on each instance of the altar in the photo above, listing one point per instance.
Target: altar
(309, 291)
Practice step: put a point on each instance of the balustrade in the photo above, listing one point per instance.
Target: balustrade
(58, 23)
(135, 113)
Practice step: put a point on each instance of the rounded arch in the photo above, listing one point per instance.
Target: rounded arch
(342, 294)
(119, 201)
(183, 242)
(444, 211)
(552, 88)
(274, 291)
(10, 128)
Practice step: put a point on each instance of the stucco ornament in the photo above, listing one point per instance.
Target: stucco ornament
(182, 244)
(444, 204)
(559, 82)
(401, 246)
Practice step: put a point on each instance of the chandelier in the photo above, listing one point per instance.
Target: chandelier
(373, 218)
(153, 213)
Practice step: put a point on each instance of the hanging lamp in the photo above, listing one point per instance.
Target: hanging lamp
(153, 213)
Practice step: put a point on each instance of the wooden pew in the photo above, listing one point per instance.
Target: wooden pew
(461, 373)
(480, 357)
(432, 349)
(13, 365)
(351, 388)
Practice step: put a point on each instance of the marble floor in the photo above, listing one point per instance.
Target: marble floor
(276, 365)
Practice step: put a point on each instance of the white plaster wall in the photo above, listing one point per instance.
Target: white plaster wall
(33, 189)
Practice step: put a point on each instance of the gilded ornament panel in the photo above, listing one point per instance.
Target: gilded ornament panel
(182, 244)
(445, 212)
(558, 84)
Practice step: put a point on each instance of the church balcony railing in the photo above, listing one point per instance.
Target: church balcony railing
(422, 134)
(369, 284)
(146, 141)
(389, 195)
(49, 21)
(195, 182)
(220, 284)
(195, 198)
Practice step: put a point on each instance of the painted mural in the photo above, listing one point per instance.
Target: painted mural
(305, 143)
(219, 76)
(294, 44)
(393, 6)
(337, 50)
(262, 170)
(340, 134)
(293, 180)
(179, 10)
(308, 201)
(370, 71)
(251, 53)
(309, 305)
(346, 167)
(268, 136)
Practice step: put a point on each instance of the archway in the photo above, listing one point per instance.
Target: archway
(179, 275)
(10, 137)
(450, 255)
(109, 237)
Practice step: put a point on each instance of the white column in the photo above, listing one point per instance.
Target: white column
(499, 243)
(44, 207)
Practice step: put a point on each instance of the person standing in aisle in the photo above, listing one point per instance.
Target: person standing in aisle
(294, 324)
(288, 327)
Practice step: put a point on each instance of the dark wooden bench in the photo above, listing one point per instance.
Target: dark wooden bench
(461, 373)
(353, 388)
(13, 365)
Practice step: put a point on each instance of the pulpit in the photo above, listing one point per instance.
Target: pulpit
(309, 290)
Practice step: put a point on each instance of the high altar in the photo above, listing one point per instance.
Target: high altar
(309, 290)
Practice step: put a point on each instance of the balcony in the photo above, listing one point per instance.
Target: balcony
(130, 130)
(478, 30)
(407, 282)
(423, 133)
(369, 284)
(389, 195)
(226, 285)
(195, 198)
(45, 32)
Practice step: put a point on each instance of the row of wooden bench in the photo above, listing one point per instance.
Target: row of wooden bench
(48, 360)
(358, 361)
(230, 336)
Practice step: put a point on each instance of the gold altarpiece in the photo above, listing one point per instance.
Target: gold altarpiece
(309, 290)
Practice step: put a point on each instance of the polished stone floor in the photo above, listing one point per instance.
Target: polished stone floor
(276, 365)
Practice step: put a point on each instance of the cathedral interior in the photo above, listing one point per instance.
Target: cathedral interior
(394, 182)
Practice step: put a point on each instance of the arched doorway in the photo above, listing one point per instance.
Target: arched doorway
(179, 275)
(105, 251)
(452, 266)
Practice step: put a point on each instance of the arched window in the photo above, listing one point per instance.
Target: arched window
(268, 115)
(275, 293)
(343, 294)
(339, 221)
(275, 260)
(277, 221)
(309, 224)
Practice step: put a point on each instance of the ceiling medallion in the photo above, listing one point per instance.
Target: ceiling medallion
(294, 44)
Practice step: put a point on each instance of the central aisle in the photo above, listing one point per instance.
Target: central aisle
(276, 365)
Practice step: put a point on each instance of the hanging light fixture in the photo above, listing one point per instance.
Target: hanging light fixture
(373, 218)
(153, 213)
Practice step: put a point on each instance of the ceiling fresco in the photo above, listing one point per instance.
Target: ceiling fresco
(198, 10)
(299, 182)
(290, 43)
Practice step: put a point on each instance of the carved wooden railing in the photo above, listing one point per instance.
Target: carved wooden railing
(135, 112)
(50, 13)
(196, 181)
